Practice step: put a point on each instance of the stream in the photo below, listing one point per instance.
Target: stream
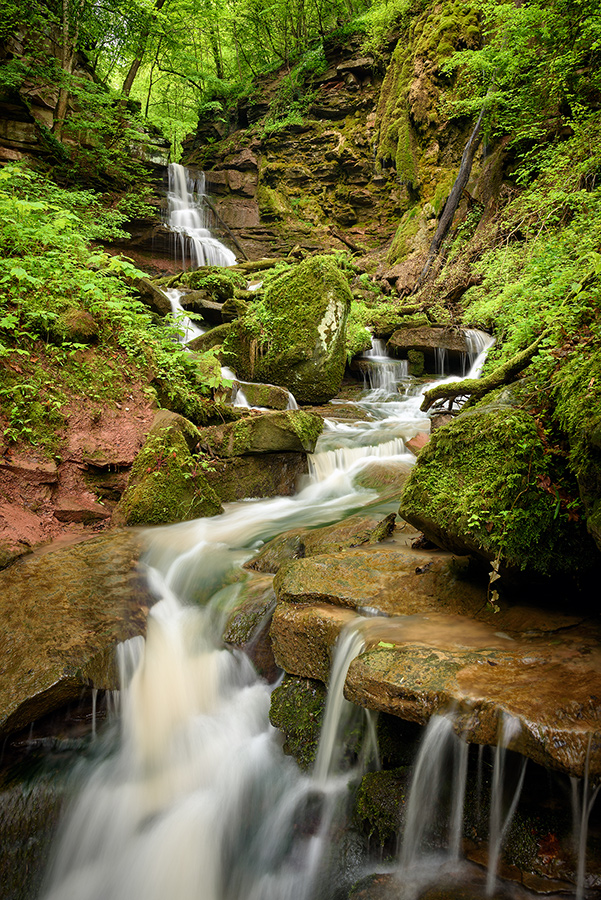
(189, 794)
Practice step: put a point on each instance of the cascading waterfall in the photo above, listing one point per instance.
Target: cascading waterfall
(188, 220)
(191, 795)
(383, 374)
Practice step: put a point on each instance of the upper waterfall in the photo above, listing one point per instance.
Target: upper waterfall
(188, 219)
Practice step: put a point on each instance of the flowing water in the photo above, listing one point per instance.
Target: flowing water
(190, 796)
(189, 220)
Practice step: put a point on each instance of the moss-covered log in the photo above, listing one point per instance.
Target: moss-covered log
(478, 387)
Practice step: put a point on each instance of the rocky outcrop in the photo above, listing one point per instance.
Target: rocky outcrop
(63, 614)
(259, 475)
(296, 337)
(306, 542)
(433, 343)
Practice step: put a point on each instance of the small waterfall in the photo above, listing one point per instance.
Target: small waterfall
(351, 643)
(478, 344)
(189, 328)
(583, 800)
(384, 373)
(440, 360)
(508, 729)
(432, 790)
(238, 396)
(188, 220)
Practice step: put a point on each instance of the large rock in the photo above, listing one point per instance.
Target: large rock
(63, 613)
(264, 475)
(433, 343)
(167, 483)
(304, 542)
(269, 396)
(264, 432)
(486, 485)
(296, 335)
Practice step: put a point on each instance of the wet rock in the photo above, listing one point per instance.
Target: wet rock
(247, 626)
(264, 475)
(302, 342)
(213, 338)
(266, 395)
(154, 297)
(268, 432)
(63, 613)
(307, 542)
(297, 708)
(428, 340)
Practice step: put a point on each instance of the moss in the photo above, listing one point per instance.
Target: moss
(166, 484)
(380, 799)
(297, 708)
(273, 205)
(402, 243)
(416, 363)
(479, 486)
(296, 335)
(216, 281)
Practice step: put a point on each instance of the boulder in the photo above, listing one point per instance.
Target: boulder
(264, 432)
(269, 396)
(264, 475)
(429, 341)
(154, 297)
(296, 335)
(167, 483)
(63, 614)
(305, 542)
(480, 486)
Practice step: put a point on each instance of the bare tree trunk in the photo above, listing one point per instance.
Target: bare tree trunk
(452, 203)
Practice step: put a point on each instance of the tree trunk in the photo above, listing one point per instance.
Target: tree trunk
(67, 58)
(139, 57)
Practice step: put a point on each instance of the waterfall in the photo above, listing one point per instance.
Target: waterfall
(188, 220)
(431, 789)
(384, 373)
(190, 794)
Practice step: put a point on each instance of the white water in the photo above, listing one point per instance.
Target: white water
(188, 220)
(192, 797)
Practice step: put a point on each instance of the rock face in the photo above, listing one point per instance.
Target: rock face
(437, 646)
(261, 475)
(429, 342)
(479, 487)
(296, 336)
(63, 613)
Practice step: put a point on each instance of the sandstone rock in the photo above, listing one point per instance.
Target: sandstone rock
(166, 484)
(264, 432)
(307, 542)
(63, 613)
(264, 475)
(266, 395)
(153, 297)
(248, 623)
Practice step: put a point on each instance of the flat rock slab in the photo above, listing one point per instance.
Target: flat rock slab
(385, 579)
(437, 646)
(63, 613)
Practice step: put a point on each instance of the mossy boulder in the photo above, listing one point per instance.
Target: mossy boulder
(218, 283)
(167, 483)
(296, 335)
(482, 486)
(261, 475)
(264, 432)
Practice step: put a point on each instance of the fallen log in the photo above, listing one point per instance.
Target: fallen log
(478, 387)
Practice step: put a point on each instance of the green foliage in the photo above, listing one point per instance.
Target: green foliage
(537, 70)
(47, 274)
(546, 273)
